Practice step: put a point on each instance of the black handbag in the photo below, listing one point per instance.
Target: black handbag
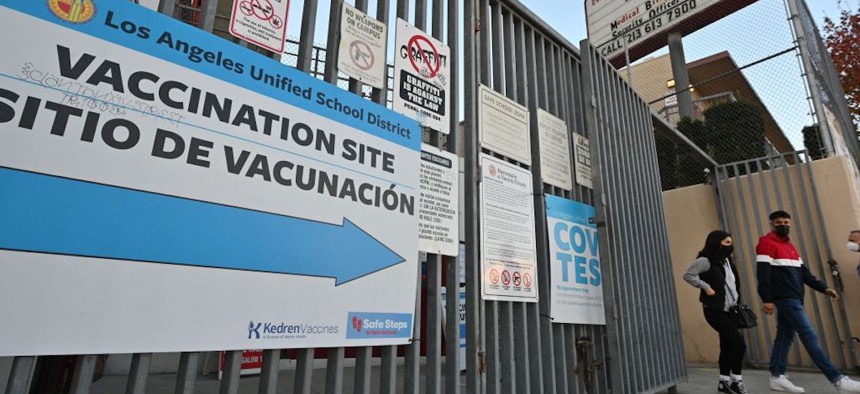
(744, 316)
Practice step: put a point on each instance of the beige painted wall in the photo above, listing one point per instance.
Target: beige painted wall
(691, 213)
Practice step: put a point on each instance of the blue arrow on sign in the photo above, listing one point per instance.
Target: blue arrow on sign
(48, 214)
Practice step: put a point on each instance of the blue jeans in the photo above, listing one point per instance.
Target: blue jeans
(790, 318)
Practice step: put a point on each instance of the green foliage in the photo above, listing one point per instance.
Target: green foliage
(737, 131)
(812, 142)
(730, 132)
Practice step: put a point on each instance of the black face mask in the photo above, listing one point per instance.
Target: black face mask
(726, 251)
(782, 231)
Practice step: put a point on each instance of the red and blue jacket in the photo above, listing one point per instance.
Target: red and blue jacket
(780, 271)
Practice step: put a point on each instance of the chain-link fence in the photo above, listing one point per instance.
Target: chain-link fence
(750, 98)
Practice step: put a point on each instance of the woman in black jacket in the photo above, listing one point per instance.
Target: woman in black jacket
(716, 277)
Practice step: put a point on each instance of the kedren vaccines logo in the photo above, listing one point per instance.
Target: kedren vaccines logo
(254, 330)
(74, 11)
(284, 330)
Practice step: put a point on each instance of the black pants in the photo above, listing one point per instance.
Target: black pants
(732, 346)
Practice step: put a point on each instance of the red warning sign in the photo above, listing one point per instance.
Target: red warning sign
(527, 280)
(506, 277)
(417, 45)
(518, 279)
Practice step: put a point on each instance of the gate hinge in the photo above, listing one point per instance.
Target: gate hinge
(482, 362)
(477, 25)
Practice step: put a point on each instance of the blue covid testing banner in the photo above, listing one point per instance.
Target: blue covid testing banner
(576, 289)
(163, 189)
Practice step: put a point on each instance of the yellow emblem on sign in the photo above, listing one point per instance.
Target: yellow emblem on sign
(75, 11)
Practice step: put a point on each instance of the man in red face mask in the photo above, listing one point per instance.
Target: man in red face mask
(781, 276)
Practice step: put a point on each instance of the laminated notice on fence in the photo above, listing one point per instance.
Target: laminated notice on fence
(576, 282)
(438, 219)
(508, 257)
(260, 22)
(158, 200)
(554, 150)
(361, 54)
(503, 125)
(422, 78)
(582, 150)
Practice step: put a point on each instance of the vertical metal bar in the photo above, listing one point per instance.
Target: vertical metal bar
(413, 351)
(363, 356)
(534, 317)
(491, 333)
(750, 280)
(452, 279)
(21, 375)
(232, 372)
(167, 7)
(186, 379)
(767, 207)
(334, 371)
(269, 371)
(138, 373)
(471, 64)
(304, 371)
(388, 375)
(383, 8)
(498, 54)
(485, 69)
(421, 14)
(85, 367)
(437, 19)
(207, 17)
(433, 377)
(333, 42)
(403, 9)
(306, 36)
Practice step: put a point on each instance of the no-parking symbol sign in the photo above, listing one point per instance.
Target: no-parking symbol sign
(422, 77)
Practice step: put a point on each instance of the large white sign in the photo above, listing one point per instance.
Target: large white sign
(156, 200)
(503, 126)
(260, 22)
(582, 151)
(422, 78)
(507, 232)
(576, 288)
(361, 54)
(618, 25)
(438, 224)
(554, 150)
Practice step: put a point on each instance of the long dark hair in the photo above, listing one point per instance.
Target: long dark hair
(712, 244)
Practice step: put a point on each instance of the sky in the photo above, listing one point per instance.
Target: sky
(750, 34)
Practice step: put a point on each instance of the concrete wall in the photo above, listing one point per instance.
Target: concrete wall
(692, 212)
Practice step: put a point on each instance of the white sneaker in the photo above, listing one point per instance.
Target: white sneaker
(846, 385)
(783, 384)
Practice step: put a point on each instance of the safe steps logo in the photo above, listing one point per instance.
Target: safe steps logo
(74, 11)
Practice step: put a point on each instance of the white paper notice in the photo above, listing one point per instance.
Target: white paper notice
(507, 232)
(504, 126)
(554, 150)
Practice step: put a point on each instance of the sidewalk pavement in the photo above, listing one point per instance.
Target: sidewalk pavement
(701, 379)
(704, 379)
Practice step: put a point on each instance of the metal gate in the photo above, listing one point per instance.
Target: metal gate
(644, 335)
(749, 191)
(511, 347)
